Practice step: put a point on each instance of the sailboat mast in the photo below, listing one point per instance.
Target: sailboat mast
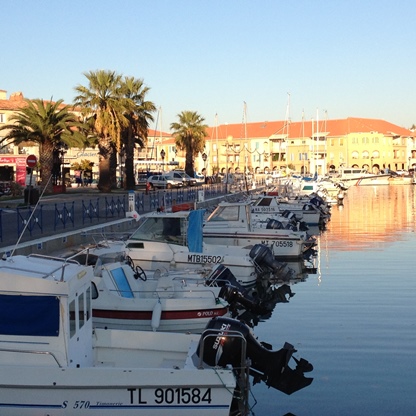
(287, 122)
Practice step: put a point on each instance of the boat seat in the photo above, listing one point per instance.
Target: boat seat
(165, 287)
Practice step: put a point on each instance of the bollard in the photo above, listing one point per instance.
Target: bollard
(131, 212)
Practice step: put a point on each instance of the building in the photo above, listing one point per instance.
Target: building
(304, 146)
(309, 147)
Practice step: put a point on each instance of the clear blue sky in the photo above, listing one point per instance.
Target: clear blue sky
(334, 59)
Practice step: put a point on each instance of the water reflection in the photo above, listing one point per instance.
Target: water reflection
(355, 318)
(379, 214)
(266, 294)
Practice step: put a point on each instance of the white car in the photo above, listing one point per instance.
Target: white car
(200, 179)
(182, 176)
(164, 181)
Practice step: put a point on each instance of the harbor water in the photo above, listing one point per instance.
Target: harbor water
(355, 319)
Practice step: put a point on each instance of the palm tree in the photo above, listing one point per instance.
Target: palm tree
(102, 100)
(189, 134)
(137, 128)
(48, 124)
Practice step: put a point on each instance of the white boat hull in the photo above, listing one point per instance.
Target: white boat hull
(281, 247)
(103, 391)
(155, 255)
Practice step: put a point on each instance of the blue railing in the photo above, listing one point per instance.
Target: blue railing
(94, 211)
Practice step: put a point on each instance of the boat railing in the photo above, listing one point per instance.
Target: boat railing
(48, 353)
(62, 267)
(243, 371)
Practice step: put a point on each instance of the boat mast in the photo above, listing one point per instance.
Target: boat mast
(286, 127)
(216, 141)
(245, 136)
(304, 141)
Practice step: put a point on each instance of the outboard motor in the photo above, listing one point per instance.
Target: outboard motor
(274, 225)
(223, 276)
(236, 298)
(263, 257)
(221, 345)
(290, 226)
(287, 214)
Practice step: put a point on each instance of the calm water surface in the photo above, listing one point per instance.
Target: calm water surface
(355, 319)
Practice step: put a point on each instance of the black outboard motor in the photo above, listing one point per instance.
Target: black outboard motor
(274, 225)
(223, 276)
(238, 299)
(263, 257)
(222, 346)
(232, 291)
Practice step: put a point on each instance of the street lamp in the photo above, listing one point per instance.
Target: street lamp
(162, 155)
(62, 154)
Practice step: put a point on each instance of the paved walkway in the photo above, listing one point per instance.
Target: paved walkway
(80, 208)
(46, 219)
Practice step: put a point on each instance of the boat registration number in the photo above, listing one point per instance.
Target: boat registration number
(278, 243)
(262, 209)
(149, 397)
(203, 258)
(179, 395)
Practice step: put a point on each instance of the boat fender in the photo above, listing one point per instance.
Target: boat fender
(156, 315)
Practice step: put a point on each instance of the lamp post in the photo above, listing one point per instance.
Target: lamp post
(204, 158)
(371, 159)
(62, 153)
(162, 155)
(408, 165)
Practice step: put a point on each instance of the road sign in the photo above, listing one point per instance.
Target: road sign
(31, 161)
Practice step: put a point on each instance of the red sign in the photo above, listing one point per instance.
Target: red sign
(31, 161)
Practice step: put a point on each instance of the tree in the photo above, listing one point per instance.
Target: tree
(189, 134)
(103, 101)
(138, 124)
(48, 124)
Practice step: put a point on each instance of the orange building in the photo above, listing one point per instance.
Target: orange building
(303, 146)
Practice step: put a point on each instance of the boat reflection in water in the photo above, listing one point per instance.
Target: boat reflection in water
(266, 294)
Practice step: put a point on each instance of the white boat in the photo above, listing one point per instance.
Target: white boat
(401, 178)
(231, 224)
(174, 241)
(127, 299)
(354, 176)
(54, 363)
(304, 210)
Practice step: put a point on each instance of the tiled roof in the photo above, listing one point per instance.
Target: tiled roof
(268, 129)
(17, 101)
(331, 128)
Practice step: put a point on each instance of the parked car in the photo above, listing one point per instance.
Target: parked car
(164, 181)
(142, 176)
(181, 175)
(200, 179)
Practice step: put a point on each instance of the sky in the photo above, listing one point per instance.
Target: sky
(232, 61)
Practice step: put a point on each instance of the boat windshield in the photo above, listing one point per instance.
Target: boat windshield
(225, 213)
(162, 230)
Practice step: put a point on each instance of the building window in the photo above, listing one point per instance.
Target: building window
(2, 118)
(354, 155)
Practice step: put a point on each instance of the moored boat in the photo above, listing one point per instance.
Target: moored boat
(175, 241)
(354, 176)
(53, 362)
(231, 224)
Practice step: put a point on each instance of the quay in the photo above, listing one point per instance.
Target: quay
(80, 233)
